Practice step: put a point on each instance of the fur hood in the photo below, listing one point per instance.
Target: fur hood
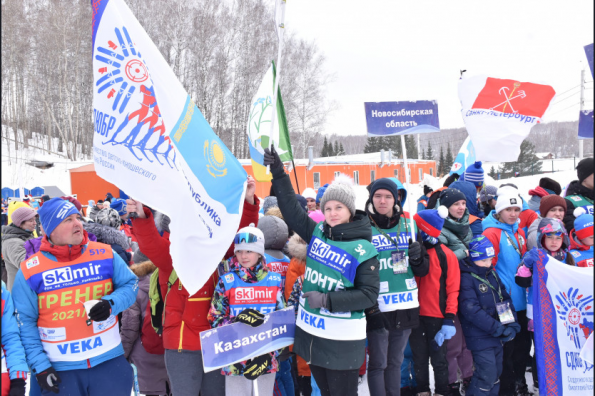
(108, 235)
(143, 268)
(297, 248)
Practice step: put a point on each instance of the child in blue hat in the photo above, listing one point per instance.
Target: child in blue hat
(487, 316)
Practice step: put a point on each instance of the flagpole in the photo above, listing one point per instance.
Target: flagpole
(280, 29)
(295, 174)
(408, 181)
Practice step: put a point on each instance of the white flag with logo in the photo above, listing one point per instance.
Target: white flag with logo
(153, 142)
(499, 114)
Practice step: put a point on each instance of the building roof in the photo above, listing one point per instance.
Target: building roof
(361, 159)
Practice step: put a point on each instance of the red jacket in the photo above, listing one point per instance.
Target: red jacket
(527, 218)
(185, 316)
(439, 292)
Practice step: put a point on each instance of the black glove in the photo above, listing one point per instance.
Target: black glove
(257, 366)
(48, 380)
(272, 158)
(376, 320)
(251, 317)
(18, 387)
(416, 253)
(101, 311)
(450, 179)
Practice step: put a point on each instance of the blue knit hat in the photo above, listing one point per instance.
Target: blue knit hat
(474, 174)
(302, 201)
(385, 184)
(119, 205)
(431, 221)
(583, 224)
(53, 212)
(320, 193)
(481, 248)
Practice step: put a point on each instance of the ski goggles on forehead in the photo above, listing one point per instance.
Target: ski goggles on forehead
(245, 237)
(552, 234)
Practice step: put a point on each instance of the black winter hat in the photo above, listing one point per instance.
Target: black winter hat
(384, 184)
(584, 169)
(427, 190)
(550, 184)
(450, 196)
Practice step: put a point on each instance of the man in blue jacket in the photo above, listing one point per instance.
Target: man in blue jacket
(68, 296)
(487, 316)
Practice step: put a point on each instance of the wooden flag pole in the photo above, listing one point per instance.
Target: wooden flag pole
(408, 181)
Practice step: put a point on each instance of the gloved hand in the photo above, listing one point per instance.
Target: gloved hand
(18, 387)
(251, 317)
(450, 179)
(375, 320)
(508, 334)
(447, 331)
(416, 253)
(316, 299)
(48, 380)
(499, 331)
(257, 366)
(272, 158)
(530, 258)
(101, 311)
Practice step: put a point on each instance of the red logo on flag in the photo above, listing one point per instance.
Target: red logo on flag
(510, 96)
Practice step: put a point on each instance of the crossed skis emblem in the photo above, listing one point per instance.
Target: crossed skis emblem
(509, 98)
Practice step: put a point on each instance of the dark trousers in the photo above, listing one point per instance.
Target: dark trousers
(515, 358)
(420, 341)
(284, 380)
(336, 382)
(488, 368)
(386, 349)
(113, 377)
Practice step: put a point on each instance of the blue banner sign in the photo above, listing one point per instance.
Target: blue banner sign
(585, 124)
(226, 345)
(589, 53)
(401, 118)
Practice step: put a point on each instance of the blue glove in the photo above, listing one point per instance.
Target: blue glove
(447, 331)
(508, 334)
(498, 332)
(530, 258)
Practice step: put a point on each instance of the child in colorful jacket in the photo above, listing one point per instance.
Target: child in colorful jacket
(14, 363)
(438, 307)
(487, 316)
(581, 238)
(248, 269)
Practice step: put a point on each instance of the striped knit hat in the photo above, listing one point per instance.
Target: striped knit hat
(474, 174)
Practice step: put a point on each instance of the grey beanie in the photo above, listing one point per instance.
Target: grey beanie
(269, 202)
(487, 193)
(275, 232)
(341, 189)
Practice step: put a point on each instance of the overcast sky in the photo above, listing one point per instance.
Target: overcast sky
(382, 50)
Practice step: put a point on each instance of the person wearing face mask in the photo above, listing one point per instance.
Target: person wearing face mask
(502, 228)
(390, 321)
(341, 281)
(14, 237)
(488, 318)
(456, 235)
(551, 207)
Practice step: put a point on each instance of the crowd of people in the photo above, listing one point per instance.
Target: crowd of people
(92, 303)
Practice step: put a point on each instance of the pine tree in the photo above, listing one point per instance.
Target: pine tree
(341, 150)
(449, 160)
(411, 146)
(423, 154)
(526, 164)
(371, 145)
(325, 150)
(441, 162)
(336, 149)
(429, 152)
(493, 174)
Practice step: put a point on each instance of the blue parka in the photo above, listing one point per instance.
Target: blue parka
(13, 352)
(477, 305)
(508, 259)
